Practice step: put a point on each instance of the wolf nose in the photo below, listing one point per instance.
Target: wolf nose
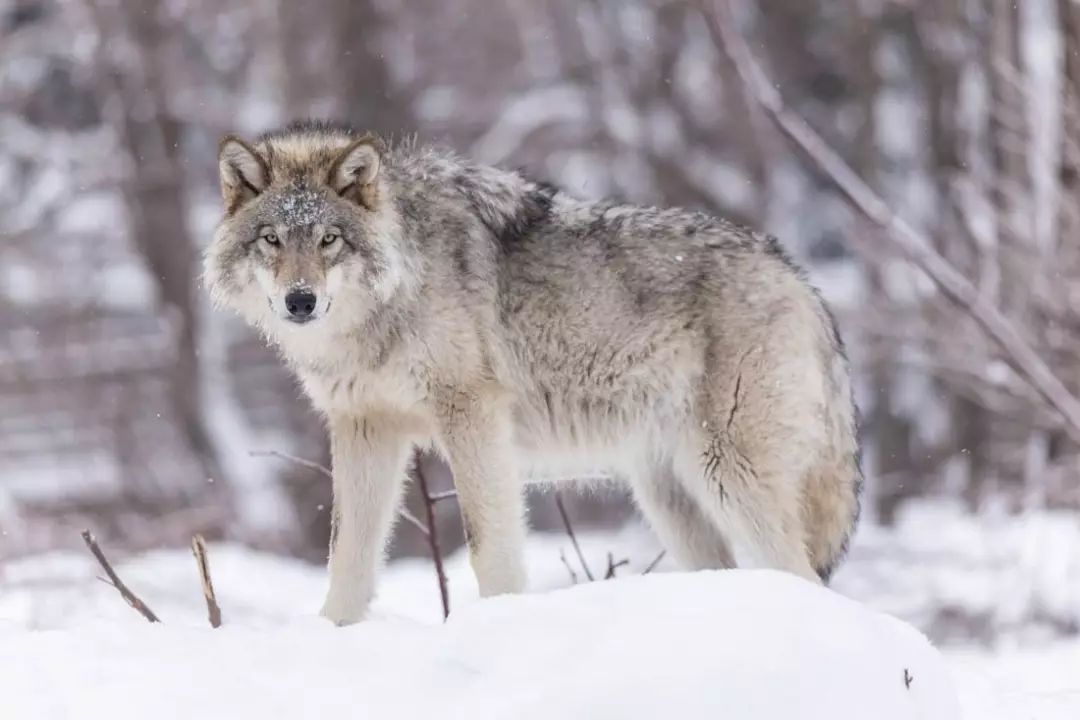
(300, 304)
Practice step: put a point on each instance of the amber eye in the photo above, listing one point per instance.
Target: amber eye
(270, 238)
(330, 238)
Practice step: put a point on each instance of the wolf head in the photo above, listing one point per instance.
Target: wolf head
(309, 235)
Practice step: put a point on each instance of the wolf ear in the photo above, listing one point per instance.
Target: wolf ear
(244, 174)
(354, 172)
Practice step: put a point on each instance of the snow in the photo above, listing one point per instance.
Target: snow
(1042, 684)
(732, 644)
(301, 207)
(739, 644)
(1013, 577)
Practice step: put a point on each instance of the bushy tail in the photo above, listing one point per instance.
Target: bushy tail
(836, 524)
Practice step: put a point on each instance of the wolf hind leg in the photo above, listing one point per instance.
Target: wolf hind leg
(755, 504)
(683, 528)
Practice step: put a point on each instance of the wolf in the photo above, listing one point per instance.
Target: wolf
(424, 300)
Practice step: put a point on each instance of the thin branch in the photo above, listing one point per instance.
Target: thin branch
(652, 566)
(323, 470)
(914, 244)
(309, 464)
(202, 562)
(414, 521)
(129, 597)
(444, 495)
(433, 538)
(612, 566)
(573, 537)
(566, 564)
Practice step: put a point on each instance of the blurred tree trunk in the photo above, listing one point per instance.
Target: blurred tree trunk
(1010, 145)
(1014, 252)
(335, 69)
(891, 476)
(1069, 168)
(944, 42)
(1066, 251)
(155, 199)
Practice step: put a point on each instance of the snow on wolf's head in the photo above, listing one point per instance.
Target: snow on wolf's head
(309, 236)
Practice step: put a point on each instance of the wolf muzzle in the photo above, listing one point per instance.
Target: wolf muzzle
(301, 305)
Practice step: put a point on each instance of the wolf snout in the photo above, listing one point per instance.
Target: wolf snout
(301, 305)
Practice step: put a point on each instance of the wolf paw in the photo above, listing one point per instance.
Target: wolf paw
(342, 611)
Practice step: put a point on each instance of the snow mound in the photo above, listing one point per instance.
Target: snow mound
(735, 644)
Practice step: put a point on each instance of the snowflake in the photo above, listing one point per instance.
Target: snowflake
(301, 207)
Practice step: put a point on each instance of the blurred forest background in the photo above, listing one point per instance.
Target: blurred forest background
(127, 405)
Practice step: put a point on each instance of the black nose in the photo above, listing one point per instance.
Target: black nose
(300, 304)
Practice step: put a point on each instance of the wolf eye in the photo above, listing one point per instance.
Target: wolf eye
(330, 238)
(270, 238)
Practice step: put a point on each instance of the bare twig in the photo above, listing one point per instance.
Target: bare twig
(414, 521)
(129, 597)
(612, 566)
(573, 537)
(428, 530)
(323, 470)
(910, 241)
(444, 495)
(202, 562)
(309, 464)
(656, 561)
(566, 564)
(433, 538)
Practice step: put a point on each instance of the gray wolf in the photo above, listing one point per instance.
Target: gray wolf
(425, 300)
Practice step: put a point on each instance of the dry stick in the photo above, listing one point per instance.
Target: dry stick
(433, 538)
(309, 464)
(202, 562)
(652, 566)
(612, 566)
(444, 495)
(131, 598)
(317, 467)
(573, 537)
(414, 521)
(566, 564)
(916, 246)
(428, 531)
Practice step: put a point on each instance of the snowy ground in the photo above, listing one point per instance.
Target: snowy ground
(744, 644)
(963, 578)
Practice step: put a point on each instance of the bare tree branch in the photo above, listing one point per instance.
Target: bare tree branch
(202, 562)
(309, 464)
(444, 495)
(612, 566)
(914, 244)
(323, 470)
(129, 597)
(566, 564)
(414, 521)
(433, 538)
(573, 537)
(656, 561)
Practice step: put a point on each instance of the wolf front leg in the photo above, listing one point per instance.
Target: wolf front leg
(476, 435)
(370, 456)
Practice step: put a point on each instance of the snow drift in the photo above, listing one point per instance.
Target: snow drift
(735, 644)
